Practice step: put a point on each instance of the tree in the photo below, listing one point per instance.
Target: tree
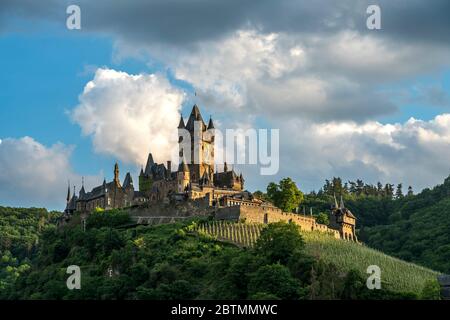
(323, 218)
(279, 241)
(399, 192)
(274, 280)
(260, 195)
(410, 191)
(389, 190)
(285, 195)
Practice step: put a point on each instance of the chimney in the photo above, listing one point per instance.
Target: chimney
(169, 168)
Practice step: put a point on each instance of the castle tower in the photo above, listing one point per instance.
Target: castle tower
(201, 157)
(343, 220)
(183, 177)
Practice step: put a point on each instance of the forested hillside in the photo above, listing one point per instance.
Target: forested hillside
(173, 261)
(412, 227)
(20, 229)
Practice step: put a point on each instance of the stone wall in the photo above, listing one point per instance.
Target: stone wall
(261, 214)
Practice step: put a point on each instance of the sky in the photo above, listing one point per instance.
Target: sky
(348, 101)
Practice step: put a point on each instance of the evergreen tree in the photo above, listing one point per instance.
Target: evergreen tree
(399, 192)
(410, 191)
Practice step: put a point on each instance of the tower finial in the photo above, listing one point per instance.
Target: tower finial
(341, 205)
(335, 201)
(68, 191)
(116, 174)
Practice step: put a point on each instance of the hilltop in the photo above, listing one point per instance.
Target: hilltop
(175, 261)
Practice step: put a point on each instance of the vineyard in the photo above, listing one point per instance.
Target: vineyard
(396, 274)
(242, 234)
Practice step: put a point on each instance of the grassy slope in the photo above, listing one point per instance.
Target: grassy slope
(396, 275)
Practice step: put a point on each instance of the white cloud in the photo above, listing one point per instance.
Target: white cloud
(324, 77)
(129, 116)
(35, 175)
(221, 69)
(415, 153)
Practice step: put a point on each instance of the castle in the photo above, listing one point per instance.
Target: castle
(197, 181)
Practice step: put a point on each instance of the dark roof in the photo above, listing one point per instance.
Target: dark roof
(226, 178)
(82, 193)
(72, 205)
(150, 163)
(181, 124)
(210, 124)
(349, 213)
(195, 116)
(139, 194)
(128, 181)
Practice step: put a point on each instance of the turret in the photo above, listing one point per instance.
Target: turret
(183, 176)
(116, 175)
(341, 205)
(181, 124)
(210, 124)
(68, 192)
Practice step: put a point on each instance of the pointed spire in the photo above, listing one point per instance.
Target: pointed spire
(210, 124)
(68, 191)
(225, 167)
(341, 205)
(116, 174)
(149, 165)
(142, 171)
(128, 182)
(335, 201)
(195, 116)
(181, 125)
(82, 191)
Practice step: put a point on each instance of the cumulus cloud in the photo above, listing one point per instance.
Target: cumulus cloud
(334, 76)
(416, 152)
(129, 116)
(32, 174)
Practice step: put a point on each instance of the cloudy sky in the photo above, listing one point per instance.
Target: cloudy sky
(349, 101)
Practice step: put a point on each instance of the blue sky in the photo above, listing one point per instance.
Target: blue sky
(254, 82)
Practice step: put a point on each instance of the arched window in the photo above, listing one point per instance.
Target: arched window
(266, 218)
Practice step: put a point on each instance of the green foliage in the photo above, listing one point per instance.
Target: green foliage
(279, 241)
(285, 195)
(20, 229)
(275, 280)
(323, 218)
(397, 275)
(412, 227)
(198, 259)
(109, 218)
(418, 229)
